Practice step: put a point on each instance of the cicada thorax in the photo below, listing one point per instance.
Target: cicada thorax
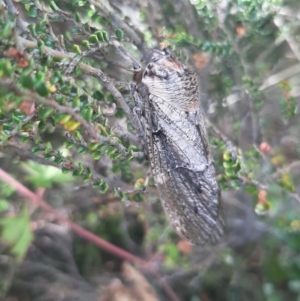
(168, 105)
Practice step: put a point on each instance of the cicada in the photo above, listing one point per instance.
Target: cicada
(167, 103)
(168, 107)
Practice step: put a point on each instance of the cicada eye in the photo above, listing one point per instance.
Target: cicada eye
(168, 54)
(166, 51)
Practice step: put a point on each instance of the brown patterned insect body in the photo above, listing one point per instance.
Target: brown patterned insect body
(168, 106)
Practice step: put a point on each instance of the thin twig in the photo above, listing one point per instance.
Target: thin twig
(97, 73)
(79, 57)
(229, 144)
(122, 132)
(280, 76)
(291, 40)
(26, 155)
(286, 169)
(58, 43)
(115, 20)
(22, 25)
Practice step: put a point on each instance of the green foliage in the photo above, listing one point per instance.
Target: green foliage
(5, 190)
(119, 34)
(172, 254)
(44, 176)
(16, 233)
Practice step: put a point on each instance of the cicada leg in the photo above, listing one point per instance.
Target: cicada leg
(136, 67)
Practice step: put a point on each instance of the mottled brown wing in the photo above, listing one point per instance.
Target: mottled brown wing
(188, 191)
(178, 150)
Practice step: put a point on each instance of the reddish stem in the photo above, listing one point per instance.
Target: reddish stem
(38, 201)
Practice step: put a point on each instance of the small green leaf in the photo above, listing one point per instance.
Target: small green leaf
(48, 147)
(72, 125)
(80, 167)
(68, 144)
(76, 102)
(116, 156)
(77, 174)
(62, 118)
(76, 49)
(41, 89)
(27, 81)
(4, 205)
(100, 36)
(98, 95)
(119, 113)
(6, 68)
(32, 11)
(103, 188)
(89, 172)
(41, 45)
(226, 156)
(54, 79)
(119, 34)
(44, 113)
(129, 158)
(53, 6)
(32, 28)
(236, 184)
(87, 113)
(105, 36)
(96, 155)
(58, 158)
(44, 176)
(60, 98)
(35, 149)
(82, 150)
(138, 197)
(6, 190)
(65, 170)
(111, 151)
(97, 184)
(227, 164)
(229, 172)
(16, 232)
(93, 39)
(86, 44)
(78, 136)
(81, 3)
(92, 146)
(77, 17)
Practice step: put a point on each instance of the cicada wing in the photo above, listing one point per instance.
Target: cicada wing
(178, 149)
(190, 197)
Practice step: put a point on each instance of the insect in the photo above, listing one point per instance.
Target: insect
(167, 105)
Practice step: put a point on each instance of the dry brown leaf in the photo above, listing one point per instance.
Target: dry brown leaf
(240, 30)
(22, 61)
(184, 246)
(201, 60)
(27, 107)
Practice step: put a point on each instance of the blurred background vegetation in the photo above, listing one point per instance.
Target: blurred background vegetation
(68, 134)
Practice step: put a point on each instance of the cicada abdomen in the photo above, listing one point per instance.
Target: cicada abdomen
(168, 105)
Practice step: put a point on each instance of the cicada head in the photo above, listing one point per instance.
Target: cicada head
(164, 61)
(171, 81)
